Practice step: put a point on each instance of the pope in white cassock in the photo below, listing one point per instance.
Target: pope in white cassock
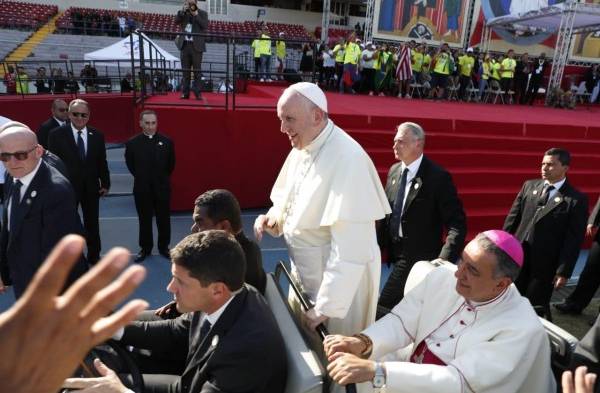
(469, 328)
(326, 200)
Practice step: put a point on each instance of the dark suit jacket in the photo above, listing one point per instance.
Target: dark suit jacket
(557, 231)
(54, 161)
(86, 176)
(44, 131)
(255, 274)
(243, 352)
(587, 352)
(151, 162)
(199, 25)
(432, 205)
(47, 212)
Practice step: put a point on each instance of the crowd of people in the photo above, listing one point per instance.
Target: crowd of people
(472, 322)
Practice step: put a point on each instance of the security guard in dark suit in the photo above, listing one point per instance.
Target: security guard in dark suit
(424, 203)
(191, 19)
(549, 217)
(60, 115)
(150, 157)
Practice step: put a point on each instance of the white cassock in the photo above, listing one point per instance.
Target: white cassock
(326, 200)
(499, 346)
(522, 6)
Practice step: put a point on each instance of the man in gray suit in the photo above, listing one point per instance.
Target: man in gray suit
(192, 20)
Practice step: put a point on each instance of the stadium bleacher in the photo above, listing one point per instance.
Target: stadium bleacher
(166, 23)
(10, 39)
(25, 16)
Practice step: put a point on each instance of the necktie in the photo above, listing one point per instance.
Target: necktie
(15, 198)
(204, 329)
(398, 206)
(80, 146)
(545, 195)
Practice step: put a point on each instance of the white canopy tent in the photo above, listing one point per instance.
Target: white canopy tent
(564, 19)
(122, 50)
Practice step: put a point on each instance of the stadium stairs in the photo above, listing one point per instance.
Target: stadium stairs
(24, 50)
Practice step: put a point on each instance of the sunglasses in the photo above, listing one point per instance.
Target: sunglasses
(19, 155)
(62, 109)
(80, 114)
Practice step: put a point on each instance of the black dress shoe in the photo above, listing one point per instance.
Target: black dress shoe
(141, 256)
(567, 308)
(165, 253)
(185, 96)
(198, 95)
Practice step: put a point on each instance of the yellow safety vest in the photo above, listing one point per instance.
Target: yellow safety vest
(466, 64)
(508, 68)
(442, 64)
(417, 61)
(495, 70)
(280, 49)
(339, 53)
(486, 71)
(352, 53)
(265, 45)
(256, 46)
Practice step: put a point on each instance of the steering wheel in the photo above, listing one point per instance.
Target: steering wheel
(116, 358)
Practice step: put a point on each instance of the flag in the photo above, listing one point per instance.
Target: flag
(404, 69)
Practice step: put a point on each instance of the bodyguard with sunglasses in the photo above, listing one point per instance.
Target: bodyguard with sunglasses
(39, 210)
(83, 151)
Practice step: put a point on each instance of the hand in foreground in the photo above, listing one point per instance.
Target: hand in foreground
(3, 287)
(314, 319)
(107, 383)
(262, 224)
(591, 231)
(103, 191)
(168, 311)
(559, 282)
(45, 335)
(345, 368)
(584, 383)
(336, 343)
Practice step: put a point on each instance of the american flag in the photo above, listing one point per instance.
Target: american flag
(404, 69)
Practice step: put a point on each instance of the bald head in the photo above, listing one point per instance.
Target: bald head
(19, 149)
(60, 110)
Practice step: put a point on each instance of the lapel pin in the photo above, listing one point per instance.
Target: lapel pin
(90, 133)
(534, 192)
(416, 186)
(557, 199)
(160, 143)
(28, 201)
(215, 341)
(33, 193)
(393, 181)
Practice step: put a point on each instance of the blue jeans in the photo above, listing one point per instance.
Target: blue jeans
(482, 86)
(265, 66)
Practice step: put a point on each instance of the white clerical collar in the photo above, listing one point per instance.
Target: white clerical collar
(214, 317)
(413, 168)
(558, 184)
(479, 305)
(318, 142)
(26, 180)
(60, 122)
(150, 136)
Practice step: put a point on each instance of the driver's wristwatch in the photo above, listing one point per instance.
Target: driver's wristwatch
(380, 376)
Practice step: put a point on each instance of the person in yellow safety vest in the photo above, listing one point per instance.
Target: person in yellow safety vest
(338, 54)
(265, 56)
(466, 64)
(507, 71)
(280, 53)
(495, 74)
(352, 54)
(486, 70)
(417, 59)
(441, 71)
(256, 48)
(22, 81)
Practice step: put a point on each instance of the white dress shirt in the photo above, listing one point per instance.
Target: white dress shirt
(84, 136)
(60, 122)
(25, 180)
(556, 185)
(413, 168)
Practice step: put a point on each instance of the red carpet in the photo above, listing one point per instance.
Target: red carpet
(489, 149)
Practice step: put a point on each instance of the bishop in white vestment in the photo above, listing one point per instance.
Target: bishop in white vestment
(469, 330)
(326, 200)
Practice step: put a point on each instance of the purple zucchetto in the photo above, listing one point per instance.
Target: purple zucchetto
(507, 243)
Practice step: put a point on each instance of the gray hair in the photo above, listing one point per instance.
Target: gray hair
(78, 101)
(505, 265)
(415, 129)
